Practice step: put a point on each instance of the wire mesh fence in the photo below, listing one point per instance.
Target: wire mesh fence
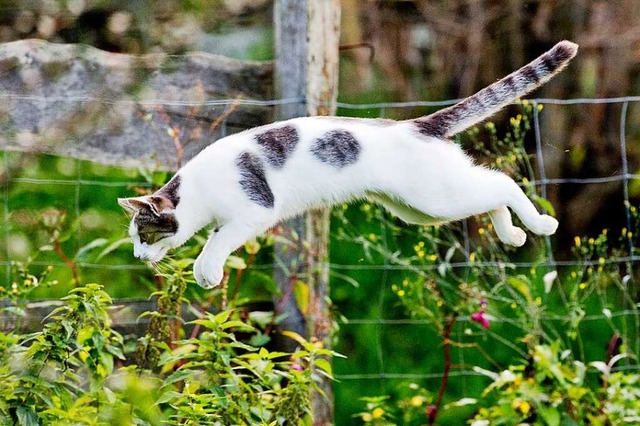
(84, 191)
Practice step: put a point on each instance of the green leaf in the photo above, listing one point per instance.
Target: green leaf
(551, 415)
(26, 416)
(301, 294)
(324, 365)
(235, 262)
(252, 247)
(112, 247)
(236, 324)
(545, 204)
(222, 317)
(295, 336)
(88, 247)
(178, 376)
(520, 284)
(169, 396)
(259, 340)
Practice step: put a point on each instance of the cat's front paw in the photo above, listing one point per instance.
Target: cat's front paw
(207, 276)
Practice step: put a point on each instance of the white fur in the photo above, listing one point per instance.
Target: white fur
(421, 179)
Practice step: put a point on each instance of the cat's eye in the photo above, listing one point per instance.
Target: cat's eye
(153, 237)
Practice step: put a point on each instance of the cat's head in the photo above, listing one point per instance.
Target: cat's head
(153, 225)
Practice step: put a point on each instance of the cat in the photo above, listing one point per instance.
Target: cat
(247, 182)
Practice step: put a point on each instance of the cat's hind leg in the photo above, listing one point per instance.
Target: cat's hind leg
(478, 190)
(500, 217)
(541, 224)
(502, 224)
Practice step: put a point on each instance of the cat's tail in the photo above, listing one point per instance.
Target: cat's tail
(472, 110)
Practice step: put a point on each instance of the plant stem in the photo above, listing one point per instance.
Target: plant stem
(57, 247)
(446, 340)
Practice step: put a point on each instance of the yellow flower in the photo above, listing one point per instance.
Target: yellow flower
(400, 293)
(523, 406)
(582, 286)
(377, 413)
(366, 417)
(480, 231)
(577, 241)
(417, 401)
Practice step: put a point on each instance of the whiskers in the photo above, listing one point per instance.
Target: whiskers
(165, 266)
(173, 266)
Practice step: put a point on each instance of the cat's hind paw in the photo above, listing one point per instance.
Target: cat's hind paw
(545, 225)
(515, 237)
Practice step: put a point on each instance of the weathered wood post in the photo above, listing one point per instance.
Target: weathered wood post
(307, 42)
(322, 92)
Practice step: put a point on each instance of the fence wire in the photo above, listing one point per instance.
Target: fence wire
(77, 184)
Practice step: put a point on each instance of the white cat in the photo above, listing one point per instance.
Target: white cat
(248, 182)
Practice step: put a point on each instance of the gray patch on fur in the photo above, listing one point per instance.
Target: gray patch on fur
(253, 180)
(170, 190)
(153, 226)
(278, 144)
(338, 148)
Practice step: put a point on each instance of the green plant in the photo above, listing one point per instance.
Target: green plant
(72, 372)
(486, 309)
(552, 389)
(58, 374)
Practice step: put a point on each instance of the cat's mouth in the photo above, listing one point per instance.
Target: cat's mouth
(149, 254)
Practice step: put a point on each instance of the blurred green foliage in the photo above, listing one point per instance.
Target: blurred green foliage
(73, 371)
(549, 353)
(61, 215)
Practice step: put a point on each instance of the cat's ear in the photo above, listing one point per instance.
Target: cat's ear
(132, 205)
(155, 203)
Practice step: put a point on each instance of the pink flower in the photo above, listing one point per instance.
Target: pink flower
(296, 367)
(480, 318)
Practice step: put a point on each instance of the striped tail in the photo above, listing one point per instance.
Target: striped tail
(472, 110)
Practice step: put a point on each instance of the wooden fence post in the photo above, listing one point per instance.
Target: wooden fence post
(322, 92)
(290, 82)
(307, 41)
